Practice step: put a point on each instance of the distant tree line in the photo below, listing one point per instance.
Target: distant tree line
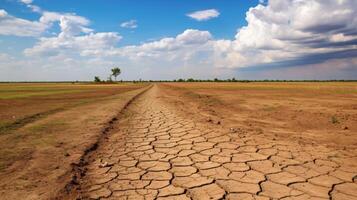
(116, 71)
(97, 79)
(189, 80)
(247, 80)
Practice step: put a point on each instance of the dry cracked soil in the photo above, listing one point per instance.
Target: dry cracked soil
(156, 152)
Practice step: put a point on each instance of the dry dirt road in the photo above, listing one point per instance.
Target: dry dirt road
(157, 152)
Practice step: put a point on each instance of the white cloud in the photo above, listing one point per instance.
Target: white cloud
(10, 25)
(34, 8)
(73, 25)
(73, 45)
(184, 46)
(70, 23)
(74, 38)
(291, 29)
(131, 24)
(27, 1)
(314, 33)
(203, 15)
(3, 13)
(288, 33)
(191, 36)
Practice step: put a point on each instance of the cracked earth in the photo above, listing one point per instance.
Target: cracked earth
(157, 153)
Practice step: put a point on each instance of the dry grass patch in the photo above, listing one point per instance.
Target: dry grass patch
(314, 111)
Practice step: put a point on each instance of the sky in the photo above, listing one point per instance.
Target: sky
(53, 40)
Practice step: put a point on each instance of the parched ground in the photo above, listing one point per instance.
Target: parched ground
(159, 151)
(46, 128)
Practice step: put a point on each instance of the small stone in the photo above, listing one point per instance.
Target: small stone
(105, 164)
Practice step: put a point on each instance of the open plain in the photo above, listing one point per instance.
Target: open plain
(193, 141)
(178, 100)
(185, 141)
(45, 127)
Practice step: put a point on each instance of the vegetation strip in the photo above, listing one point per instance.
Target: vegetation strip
(26, 120)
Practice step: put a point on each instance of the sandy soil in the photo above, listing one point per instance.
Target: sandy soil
(37, 157)
(175, 142)
(308, 112)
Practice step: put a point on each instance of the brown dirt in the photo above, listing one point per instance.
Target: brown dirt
(37, 157)
(16, 112)
(308, 112)
(172, 143)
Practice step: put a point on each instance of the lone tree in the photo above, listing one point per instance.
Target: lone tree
(116, 72)
(97, 79)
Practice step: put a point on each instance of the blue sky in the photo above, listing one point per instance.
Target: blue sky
(158, 39)
(156, 19)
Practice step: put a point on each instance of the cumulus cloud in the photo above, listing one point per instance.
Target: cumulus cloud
(70, 23)
(183, 46)
(70, 40)
(74, 38)
(10, 25)
(131, 24)
(204, 15)
(76, 45)
(280, 34)
(291, 30)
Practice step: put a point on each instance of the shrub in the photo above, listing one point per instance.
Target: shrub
(97, 79)
(334, 120)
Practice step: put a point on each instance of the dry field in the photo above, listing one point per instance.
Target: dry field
(44, 127)
(184, 141)
(318, 112)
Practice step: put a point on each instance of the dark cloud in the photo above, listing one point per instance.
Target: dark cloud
(323, 28)
(324, 43)
(307, 59)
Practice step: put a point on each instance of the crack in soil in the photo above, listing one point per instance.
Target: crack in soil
(153, 142)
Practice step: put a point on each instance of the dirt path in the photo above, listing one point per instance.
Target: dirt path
(157, 153)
